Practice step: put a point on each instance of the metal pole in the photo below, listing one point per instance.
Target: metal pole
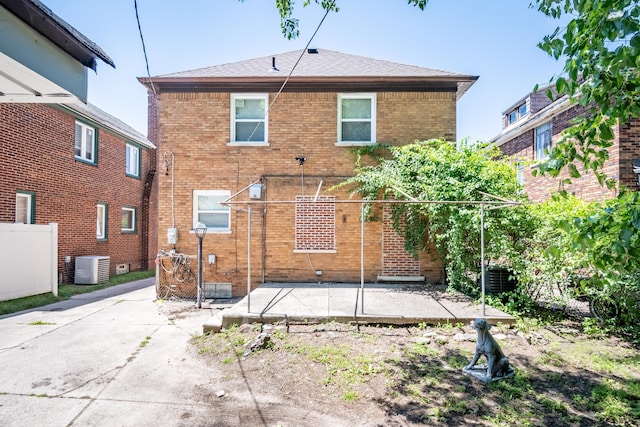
(249, 259)
(482, 256)
(362, 258)
(199, 302)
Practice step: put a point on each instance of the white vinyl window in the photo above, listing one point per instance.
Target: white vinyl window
(356, 118)
(101, 221)
(517, 113)
(133, 160)
(85, 142)
(520, 172)
(25, 208)
(542, 143)
(208, 210)
(249, 119)
(128, 219)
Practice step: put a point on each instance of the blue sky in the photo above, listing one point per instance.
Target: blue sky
(493, 39)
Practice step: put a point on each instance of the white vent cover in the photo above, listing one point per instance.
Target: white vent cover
(91, 270)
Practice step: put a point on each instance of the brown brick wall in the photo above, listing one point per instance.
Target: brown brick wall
(37, 154)
(629, 150)
(195, 127)
(521, 148)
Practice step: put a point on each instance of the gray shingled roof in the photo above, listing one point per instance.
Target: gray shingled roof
(325, 63)
(321, 71)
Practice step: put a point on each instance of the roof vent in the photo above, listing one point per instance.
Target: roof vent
(273, 64)
(312, 50)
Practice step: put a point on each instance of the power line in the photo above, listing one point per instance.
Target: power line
(328, 9)
(144, 49)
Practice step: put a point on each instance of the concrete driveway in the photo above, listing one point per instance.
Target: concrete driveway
(117, 357)
(114, 357)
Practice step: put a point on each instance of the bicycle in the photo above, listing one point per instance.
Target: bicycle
(619, 305)
(178, 276)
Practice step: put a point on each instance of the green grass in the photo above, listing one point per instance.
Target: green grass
(67, 291)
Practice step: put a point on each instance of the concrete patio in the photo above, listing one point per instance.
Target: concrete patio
(375, 303)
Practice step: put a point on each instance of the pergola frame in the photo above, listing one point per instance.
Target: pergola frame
(499, 203)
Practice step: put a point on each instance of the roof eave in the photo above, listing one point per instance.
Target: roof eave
(63, 35)
(459, 84)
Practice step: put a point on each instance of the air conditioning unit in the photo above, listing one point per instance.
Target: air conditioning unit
(91, 270)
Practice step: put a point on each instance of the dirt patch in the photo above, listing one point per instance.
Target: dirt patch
(349, 375)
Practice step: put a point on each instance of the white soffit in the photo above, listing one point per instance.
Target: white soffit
(21, 84)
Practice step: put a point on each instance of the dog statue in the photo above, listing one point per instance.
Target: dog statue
(498, 366)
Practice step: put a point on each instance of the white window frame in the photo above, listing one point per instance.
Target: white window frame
(101, 221)
(82, 142)
(372, 120)
(542, 139)
(132, 160)
(520, 172)
(28, 214)
(219, 194)
(237, 97)
(132, 228)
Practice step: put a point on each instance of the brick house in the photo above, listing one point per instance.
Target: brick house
(66, 161)
(532, 124)
(274, 142)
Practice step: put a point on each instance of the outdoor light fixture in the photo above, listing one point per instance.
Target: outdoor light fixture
(200, 230)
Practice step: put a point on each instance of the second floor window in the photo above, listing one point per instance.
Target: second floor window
(249, 118)
(542, 142)
(85, 142)
(133, 160)
(357, 118)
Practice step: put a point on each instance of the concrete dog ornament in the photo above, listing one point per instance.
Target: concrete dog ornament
(497, 366)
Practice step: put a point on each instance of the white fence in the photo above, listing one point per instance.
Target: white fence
(28, 260)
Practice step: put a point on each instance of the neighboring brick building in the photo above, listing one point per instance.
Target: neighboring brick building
(534, 123)
(63, 160)
(275, 144)
(44, 180)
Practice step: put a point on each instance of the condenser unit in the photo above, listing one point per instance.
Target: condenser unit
(91, 270)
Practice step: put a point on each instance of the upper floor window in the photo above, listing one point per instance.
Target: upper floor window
(25, 207)
(522, 110)
(85, 142)
(249, 119)
(517, 113)
(208, 210)
(542, 142)
(357, 118)
(101, 221)
(133, 160)
(128, 219)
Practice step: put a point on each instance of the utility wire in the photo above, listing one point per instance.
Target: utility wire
(144, 49)
(328, 9)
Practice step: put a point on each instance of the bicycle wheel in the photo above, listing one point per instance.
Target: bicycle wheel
(604, 308)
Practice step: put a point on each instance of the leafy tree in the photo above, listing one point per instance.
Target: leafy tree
(601, 47)
(438, 170)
